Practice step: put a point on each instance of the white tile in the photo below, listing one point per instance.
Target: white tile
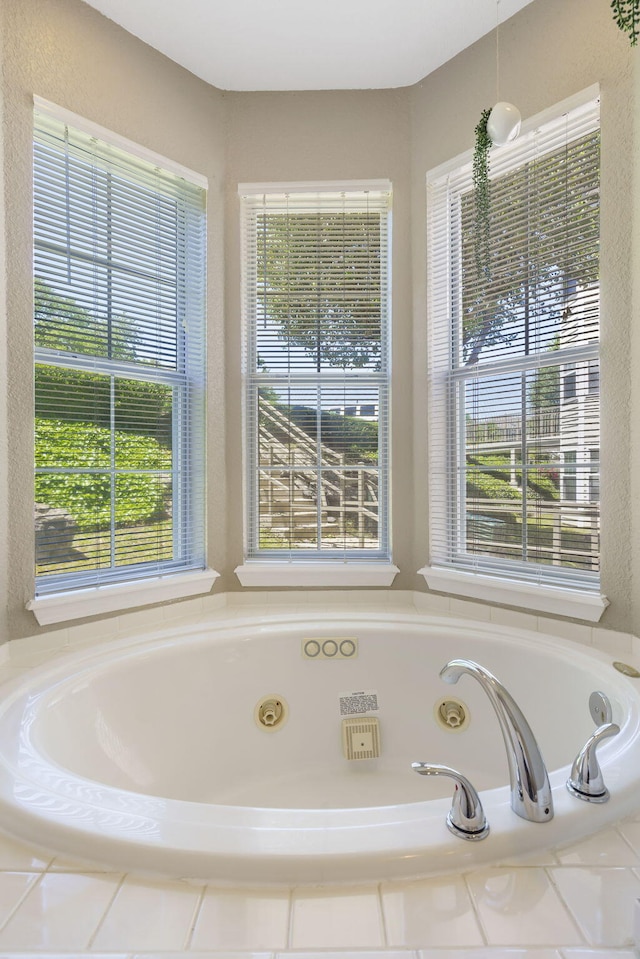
(631, 832)
(434, 912)
(348, 918)
(606, 848)
(576, 632)
(98, 631)
(16, 855)
(139, 619)
(33, 650)
(342, 954)
(432, 603)
(84, 955)
(490, 953)
(520, 907)
(61, 912)
(469, 610)
(510, 617)
(168, 909)
(13, 887)
(597, 954)
(183, 609)
(537, 857)
(62, 864)
(243, 919)
(214, 601)
(191, 955)
(611, 641)
(601, 901)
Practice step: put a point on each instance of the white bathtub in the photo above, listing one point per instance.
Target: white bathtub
(145, 755)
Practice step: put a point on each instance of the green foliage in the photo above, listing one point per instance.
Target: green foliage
(488, 477)
(353, 436)
(139, 497)
(481, 194)
(62, 324)
(78, 397)
(626, 14)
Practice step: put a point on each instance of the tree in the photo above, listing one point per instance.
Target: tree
(544, 240)
(318, 280)
(60, 323)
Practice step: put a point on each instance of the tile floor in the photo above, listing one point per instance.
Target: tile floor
(570, 903)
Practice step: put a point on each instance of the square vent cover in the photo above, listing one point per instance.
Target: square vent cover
(361, 738)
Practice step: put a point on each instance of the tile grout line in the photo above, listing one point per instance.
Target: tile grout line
(289, 936)
(574, 920)
(383, 921)
(483, 933)
(194, 918)
(28, 890)
(106, 912)
(624, 839)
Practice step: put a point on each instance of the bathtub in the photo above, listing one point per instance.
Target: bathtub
(150, 756)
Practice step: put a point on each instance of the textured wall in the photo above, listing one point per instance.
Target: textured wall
(64, 51)
(548, 51)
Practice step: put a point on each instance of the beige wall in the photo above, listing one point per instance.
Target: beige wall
(64, 51)
(548, 51)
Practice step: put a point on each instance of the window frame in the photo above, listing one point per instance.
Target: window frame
(493, 581)
(310, 567)
(62, 596)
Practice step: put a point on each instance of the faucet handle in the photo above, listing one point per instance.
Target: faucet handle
(466, 817)
(586, 781)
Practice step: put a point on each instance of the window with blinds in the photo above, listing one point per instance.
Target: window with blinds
(119, 363)
(514, 377)
(316, 314)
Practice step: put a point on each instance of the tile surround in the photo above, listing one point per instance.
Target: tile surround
(571, 903)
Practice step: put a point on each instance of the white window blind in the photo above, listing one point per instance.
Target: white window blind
(513, 360)
(119, 350)
(316, 313)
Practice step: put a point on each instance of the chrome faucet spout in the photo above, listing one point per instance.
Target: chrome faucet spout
(530, 788)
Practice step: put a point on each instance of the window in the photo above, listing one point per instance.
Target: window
(316, 317)
(514, 381)
(119, 363)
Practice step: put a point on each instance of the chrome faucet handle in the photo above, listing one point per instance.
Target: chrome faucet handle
(586, 781)
(466, 817)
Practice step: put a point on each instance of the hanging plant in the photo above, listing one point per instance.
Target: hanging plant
(481, 193)
(626, 14)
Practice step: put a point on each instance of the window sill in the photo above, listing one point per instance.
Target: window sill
(317, 574)
(76, 604)
(543, 599)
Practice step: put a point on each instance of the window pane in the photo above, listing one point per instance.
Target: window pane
(318, 291)
(541, 286)
(317, 302)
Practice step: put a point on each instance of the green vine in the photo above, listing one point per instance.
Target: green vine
(481, 194)
(626, 14)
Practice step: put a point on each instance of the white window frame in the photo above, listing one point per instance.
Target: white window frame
(577, 596)
(293, 567)
(67, 596)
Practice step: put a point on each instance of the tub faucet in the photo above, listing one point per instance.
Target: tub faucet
(530, 788)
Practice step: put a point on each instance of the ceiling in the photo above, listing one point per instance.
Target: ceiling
(300, 45)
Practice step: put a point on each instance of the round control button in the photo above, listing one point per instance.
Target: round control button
(312, 648)
(347, 647)
(330, 647)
